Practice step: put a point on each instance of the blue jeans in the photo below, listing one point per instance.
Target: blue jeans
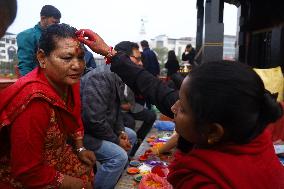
(113, 159)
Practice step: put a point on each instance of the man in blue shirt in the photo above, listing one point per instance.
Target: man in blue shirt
(28, 40)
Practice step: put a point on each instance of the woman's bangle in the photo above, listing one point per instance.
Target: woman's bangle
(109, 55)
(111, 52)
(79, 150)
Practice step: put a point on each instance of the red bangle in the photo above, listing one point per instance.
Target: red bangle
(109, 55)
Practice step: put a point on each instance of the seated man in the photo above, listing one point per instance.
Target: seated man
(105, 134)
(135, 110)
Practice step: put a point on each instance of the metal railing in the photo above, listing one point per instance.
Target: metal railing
(8, 68)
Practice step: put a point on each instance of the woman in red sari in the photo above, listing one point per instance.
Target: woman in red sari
(37, 115)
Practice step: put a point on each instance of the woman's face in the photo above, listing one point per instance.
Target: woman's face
(183, 117)
(65, 64)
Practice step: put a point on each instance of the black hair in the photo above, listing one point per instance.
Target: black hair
(188, 46)
(11, 7)
(172, 56)
(144, 43)
(126, 47)
(232, 95)
(50, 11)
(136, 46)
(51, 34)
(8, 10)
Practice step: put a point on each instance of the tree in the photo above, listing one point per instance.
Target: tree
(162, 54)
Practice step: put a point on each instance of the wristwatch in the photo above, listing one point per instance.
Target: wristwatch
(79, 150)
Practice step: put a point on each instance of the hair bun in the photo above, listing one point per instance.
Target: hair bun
(271, 110)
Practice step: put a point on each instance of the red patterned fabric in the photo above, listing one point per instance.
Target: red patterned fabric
(37, 122)
(248, 166)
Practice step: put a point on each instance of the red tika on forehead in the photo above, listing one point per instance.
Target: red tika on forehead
(79, 45)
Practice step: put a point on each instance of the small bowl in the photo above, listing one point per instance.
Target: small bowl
(138, 177)
(150, 140)
(148, 152)
(153, 136)
(143, 158)
(134, 163)
(132, 170)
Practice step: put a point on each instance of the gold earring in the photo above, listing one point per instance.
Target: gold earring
(42, 65)
(210, 141)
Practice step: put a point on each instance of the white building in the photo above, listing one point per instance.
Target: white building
(229, 48)
(178, 45)
(8, 47)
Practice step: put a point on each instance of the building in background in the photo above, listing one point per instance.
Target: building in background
(229, 48)
(176, 44)
(8, 47)
(8, 55)
(179, 44)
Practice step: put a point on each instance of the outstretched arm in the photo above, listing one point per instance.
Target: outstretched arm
(135, 77)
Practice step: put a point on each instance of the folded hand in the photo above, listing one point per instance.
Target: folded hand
(87, 157)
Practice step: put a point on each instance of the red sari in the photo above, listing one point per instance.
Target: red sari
(35, 124)
(249, 166)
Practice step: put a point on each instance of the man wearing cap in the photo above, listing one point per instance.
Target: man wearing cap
(28, 39)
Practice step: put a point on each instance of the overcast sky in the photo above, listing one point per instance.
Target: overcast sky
(117, 20)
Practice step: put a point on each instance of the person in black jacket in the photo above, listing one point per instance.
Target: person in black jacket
(172, 63)
(189, 54)
(149, 59)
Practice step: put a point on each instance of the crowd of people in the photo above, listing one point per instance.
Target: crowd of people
(61, 116)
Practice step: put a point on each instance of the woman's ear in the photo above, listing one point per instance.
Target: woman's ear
(41, 58)
(215, 133)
